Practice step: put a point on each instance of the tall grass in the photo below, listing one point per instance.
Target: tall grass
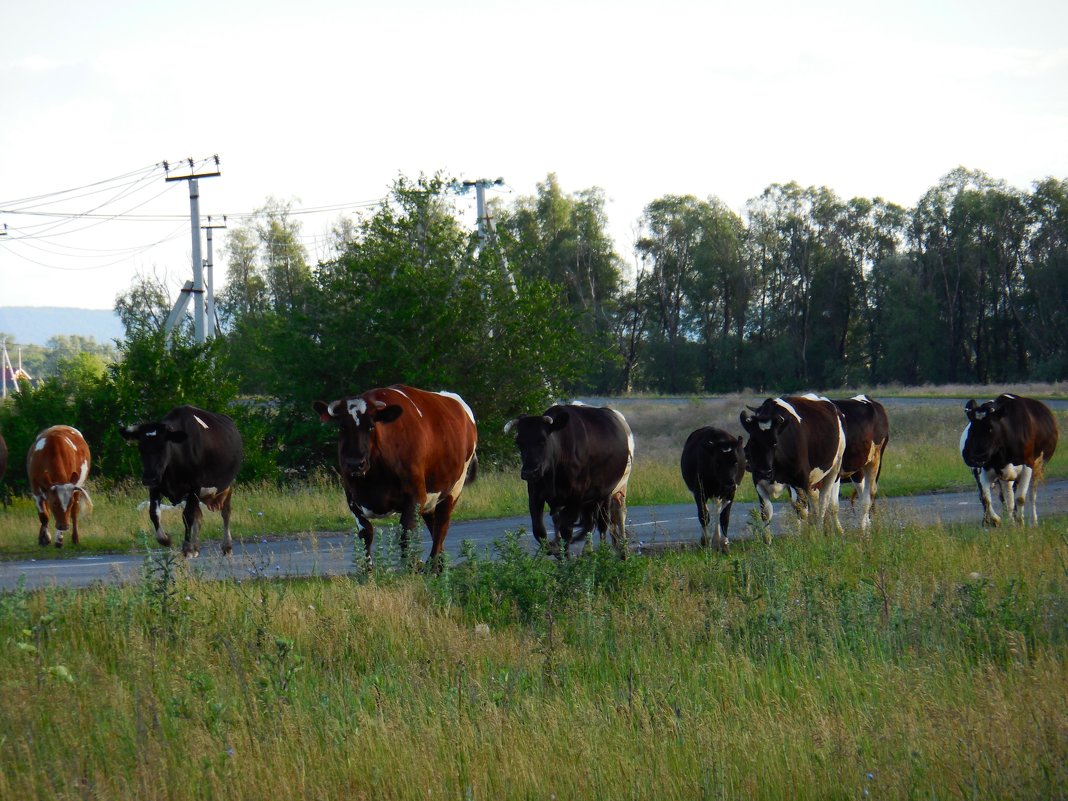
(910, 663)
(923, 455)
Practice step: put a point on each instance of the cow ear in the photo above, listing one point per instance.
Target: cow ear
(746, 420)
(388, 414)
(969, 409)
(74, 477)
(325, 411)
(997, 407)
(176, 436)
(130, 432)
(559, 421)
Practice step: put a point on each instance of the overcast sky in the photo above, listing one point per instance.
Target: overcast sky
(326, 103)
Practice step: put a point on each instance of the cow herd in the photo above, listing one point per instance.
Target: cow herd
(406, 451)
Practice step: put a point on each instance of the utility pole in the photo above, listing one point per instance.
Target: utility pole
(197, 288)
(486, 228)
(211, 279)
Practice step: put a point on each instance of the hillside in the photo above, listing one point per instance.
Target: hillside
(35, 325)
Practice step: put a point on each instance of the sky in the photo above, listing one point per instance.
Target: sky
(324, 104)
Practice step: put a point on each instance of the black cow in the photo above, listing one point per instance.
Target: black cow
(867, 431)
(796, 442)
(1008, 440)
(577, 459)
(713, 464)
(191, 456)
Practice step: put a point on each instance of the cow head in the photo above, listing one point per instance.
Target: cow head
(60, 497)
(533, 435)
(725, 454)
(764, 426)
(356, 419)
(153, 443)
(982, 436)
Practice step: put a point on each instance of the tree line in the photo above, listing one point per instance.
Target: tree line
(799, 290)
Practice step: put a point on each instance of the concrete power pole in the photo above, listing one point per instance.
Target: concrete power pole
(197, 288)
(486, 228)
(211, 278)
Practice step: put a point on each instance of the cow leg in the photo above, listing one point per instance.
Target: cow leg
(765, 492)
(702, 514)
(191, 516)
(722, 543)
(985, 479)
(224, 511)
(618, 517)
(438, 523)
(363, 526)
(536, 504)
(863, 488)
(43, 537)
(409, 521)
(154, 498)
(564, 525)
(1022, 487)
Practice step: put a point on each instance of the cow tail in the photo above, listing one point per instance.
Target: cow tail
(472, 470)
(1039, 471)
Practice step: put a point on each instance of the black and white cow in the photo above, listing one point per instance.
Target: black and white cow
(191, 456)
(1008, 441)
(713, 465)
(577, 459)
(796, 442)
(867, 431)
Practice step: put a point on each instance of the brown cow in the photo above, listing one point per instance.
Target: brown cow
(867, 431)
(1008, 440)
(58, 465)
(405, 450)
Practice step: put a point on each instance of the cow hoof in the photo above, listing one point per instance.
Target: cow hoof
(724, 546)
(190, 553)
(44, 540)
(227, 550)
(59, 543)
(164, 540)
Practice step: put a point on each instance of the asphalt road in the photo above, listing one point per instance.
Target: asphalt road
(649, 528)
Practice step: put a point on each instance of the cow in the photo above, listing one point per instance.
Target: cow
(402, 449)
(58, 465)
(867, 431)
(191, 457)
(713, 465)
(796, 441)
(577, 459)
(1008, 440)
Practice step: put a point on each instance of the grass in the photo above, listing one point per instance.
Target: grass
(910, 663)
(922, 457)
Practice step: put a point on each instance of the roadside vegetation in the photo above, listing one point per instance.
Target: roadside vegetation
(917, 662)
(923, 456)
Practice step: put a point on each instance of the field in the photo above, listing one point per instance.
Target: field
(922, 456)
(915, 663)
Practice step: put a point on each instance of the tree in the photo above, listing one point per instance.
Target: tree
(145, 306)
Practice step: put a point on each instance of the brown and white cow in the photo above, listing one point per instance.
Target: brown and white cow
(713, 465)
(1008, 440)
(867, 431)
(402, 449)
(58, 465)
(796, 442)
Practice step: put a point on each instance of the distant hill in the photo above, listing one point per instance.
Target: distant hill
(35, 325)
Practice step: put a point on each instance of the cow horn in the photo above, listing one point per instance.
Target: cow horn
(547, 419)
(510, 425)
(379, 404)
(85, 493)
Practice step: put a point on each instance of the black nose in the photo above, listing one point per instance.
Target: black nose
(356, 467)
(528, 473)
(150, 481)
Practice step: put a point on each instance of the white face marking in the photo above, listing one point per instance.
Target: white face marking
(40, 444)
(460, 401)
(64, 493)
(202, 423)
(788, 408)
(964, 437)
(356, 407)
(764, 425)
